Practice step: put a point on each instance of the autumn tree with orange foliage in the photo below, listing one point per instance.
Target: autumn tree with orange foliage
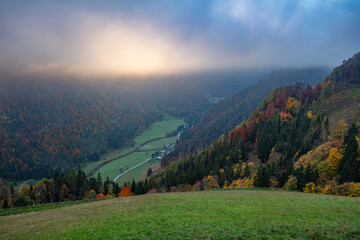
(125, 192)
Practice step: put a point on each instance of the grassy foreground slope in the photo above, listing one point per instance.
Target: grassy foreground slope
(236, 214)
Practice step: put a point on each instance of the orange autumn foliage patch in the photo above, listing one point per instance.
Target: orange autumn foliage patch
(285, 116)
(100, 196)
(125, 192)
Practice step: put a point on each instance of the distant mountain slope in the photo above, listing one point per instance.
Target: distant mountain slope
(228, 113)
(348, 74)
(298, 138)
(59, 124)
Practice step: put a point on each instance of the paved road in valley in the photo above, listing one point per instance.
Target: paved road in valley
(92, 172)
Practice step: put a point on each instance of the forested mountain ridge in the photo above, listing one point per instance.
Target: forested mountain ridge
(348, 74)
(228, 113)
(60, 124)
(290, 141)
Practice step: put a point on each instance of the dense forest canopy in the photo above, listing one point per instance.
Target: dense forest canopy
(48, 125)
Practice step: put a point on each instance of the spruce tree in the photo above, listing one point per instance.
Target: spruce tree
(139, 188)
(149, 172)
(348, 169)
(133, 186)
(106, 186)
(98, 183)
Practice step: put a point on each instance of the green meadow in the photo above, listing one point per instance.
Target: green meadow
(354, 91)
(136, 173)
(150, 136)
(112, 169)
(158, 144)
(225, 214)
(159, 129)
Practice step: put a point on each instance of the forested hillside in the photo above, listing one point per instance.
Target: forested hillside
(60, 124)
(291, 141)
(299, 138)
(228, 113)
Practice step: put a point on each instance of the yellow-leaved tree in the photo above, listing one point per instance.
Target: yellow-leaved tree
(328, 168)
(339, 130)
(293, 105)
(334, 161)
(211, 183)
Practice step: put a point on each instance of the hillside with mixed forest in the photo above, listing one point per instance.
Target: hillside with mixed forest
(48, 125)
(299, 138)
(227, 114)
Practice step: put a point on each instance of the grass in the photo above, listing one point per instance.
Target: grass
(112, 169)
(201, 215)
(342, 105)
(18, 210)
(159, 129)
(158, 144)
(107, 156)
(136, 173)
(354, 91)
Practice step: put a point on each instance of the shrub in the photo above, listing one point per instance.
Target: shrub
(291, 184)
(22, 201)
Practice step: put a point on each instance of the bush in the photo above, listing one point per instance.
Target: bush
(312, 188)
(22, 201)
(90, 195)
(291, 184)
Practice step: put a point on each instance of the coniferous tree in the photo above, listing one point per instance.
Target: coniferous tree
(263, 176)
(116, 188)
(149, 172)
(247, 171)
(6, 204)
(139, 188)
(99, 183)
(12, 190)
(145, 187)
(57, 185)
(80, 184)
(348, 169)
(106, 186)
(133, 186)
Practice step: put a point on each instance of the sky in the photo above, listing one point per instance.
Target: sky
(151, 38)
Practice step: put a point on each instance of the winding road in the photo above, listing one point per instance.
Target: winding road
(93, 171)
(132, 168)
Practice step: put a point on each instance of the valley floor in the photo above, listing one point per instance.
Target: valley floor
(225, 214)
(147, 143)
